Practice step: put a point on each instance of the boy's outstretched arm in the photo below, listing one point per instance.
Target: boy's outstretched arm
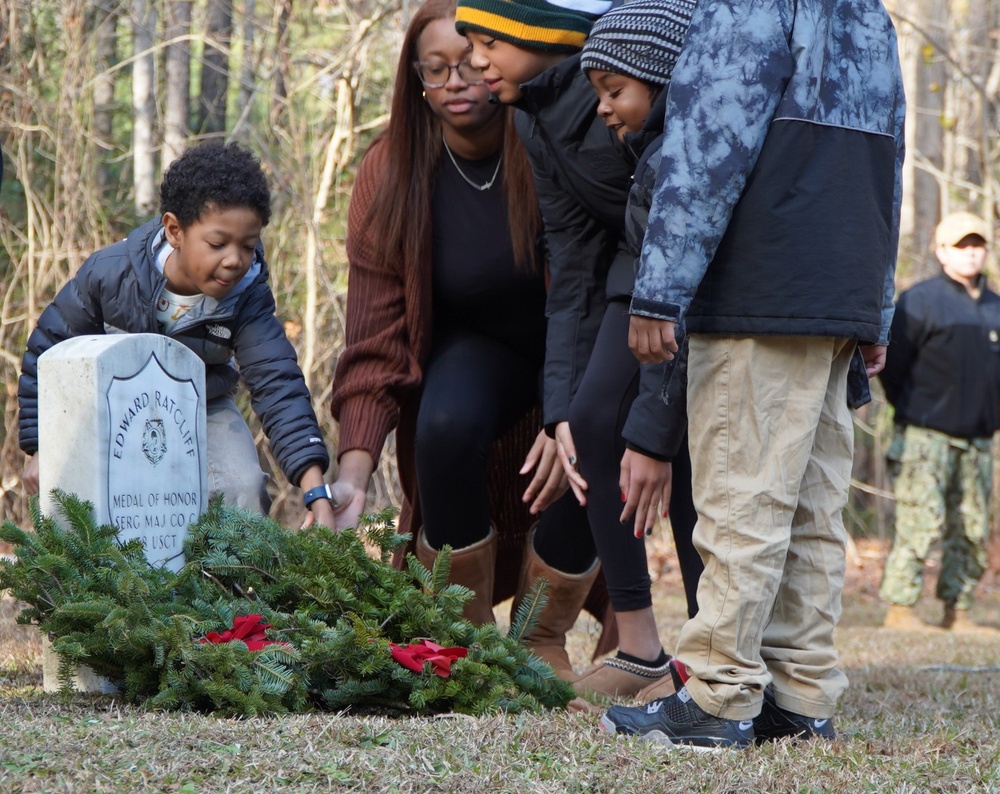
(322, 510)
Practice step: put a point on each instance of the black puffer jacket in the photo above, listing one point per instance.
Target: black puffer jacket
(115, 291)
(942, 370)
(582, 179)
(667, 380)
(582, 176)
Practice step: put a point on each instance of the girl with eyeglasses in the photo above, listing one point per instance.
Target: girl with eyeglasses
(446, 340)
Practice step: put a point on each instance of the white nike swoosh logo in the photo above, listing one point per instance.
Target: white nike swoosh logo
(819, 723)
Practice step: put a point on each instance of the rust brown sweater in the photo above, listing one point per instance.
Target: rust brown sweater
(376, 386)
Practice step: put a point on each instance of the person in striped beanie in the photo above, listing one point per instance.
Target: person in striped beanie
(534, 35)
(548, 25)
(630, 56)
(623, 448)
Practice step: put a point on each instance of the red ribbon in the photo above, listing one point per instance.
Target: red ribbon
(249, 629)
(414, 657)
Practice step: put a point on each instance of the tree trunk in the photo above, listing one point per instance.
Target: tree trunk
(282, 66)
(106, 53)
(248, 69)
(143, 107)
(177, 92)
(215, 68)
(925, 131)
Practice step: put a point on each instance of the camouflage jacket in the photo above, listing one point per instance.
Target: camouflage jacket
(776, 208)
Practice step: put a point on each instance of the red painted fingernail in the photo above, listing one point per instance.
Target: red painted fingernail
(623, 496)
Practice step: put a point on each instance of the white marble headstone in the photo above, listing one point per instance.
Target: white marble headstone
(121, 424)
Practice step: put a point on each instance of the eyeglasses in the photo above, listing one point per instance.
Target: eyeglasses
(435, 74)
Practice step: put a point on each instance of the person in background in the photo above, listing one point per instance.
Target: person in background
(780, 256)
(942, 377)
(197, 274)
(623, 448)
(446, 337)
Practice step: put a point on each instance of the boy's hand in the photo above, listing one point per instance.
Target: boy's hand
(29, 477)
(320, 512)
(874, 356)
(645, 484)
(549, 482)
(650, 340)
(348, 506)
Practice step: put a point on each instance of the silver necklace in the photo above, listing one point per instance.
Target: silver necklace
(461, 173)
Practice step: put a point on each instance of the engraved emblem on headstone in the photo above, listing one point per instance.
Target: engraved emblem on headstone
(154, 441)
(153, 421)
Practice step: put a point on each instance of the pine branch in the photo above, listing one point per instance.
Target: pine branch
(529, 610)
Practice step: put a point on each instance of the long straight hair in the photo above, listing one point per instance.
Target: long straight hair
(413, 142)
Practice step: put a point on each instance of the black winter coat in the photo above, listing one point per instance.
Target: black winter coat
(942, 368)
(667, 380)
(116, 290)
(582, 176)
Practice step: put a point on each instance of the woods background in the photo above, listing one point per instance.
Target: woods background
(97, 98)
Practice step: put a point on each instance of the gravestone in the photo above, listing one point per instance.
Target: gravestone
(121, 424)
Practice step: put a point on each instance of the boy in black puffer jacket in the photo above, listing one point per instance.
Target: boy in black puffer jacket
(198, 275)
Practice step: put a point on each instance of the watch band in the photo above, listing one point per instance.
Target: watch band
(319, 492)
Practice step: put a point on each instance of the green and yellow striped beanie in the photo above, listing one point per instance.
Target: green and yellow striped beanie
(551, 26)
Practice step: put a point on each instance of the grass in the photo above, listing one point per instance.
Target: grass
(920, 716)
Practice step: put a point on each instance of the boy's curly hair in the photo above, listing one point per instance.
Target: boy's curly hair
(214, 174)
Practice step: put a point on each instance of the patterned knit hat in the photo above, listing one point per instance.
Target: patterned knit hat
(552, 26)
(640, 39)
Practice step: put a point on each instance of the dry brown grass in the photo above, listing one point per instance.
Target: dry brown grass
(921, 715)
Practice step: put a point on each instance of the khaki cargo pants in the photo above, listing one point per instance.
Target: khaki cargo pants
(772, 445)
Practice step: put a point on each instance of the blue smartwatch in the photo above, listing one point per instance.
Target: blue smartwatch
(319, 492)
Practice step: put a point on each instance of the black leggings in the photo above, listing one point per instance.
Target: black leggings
(597, 415)
(474, 390)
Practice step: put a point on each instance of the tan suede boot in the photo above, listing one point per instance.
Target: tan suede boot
(473, 567)
(958, 621)
(618, 678)
(566, 594)
(904, 618)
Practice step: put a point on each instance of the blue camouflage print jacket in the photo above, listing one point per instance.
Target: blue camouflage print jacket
(776, 207)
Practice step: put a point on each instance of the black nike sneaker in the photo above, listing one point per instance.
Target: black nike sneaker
(775, 723)
(677, 721)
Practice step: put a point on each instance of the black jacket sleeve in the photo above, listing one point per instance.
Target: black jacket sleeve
(76, 310)
(904, 346)
(278, 392)
(657, 421)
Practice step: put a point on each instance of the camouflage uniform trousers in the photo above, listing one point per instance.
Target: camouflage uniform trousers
(942, 489)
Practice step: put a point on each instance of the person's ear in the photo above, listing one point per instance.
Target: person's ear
(172, 229)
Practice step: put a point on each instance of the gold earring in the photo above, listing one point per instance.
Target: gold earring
(423, 94)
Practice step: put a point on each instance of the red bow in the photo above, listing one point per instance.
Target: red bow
(413, 657)
(249, 629)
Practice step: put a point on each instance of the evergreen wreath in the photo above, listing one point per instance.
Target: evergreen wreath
(326, 620)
